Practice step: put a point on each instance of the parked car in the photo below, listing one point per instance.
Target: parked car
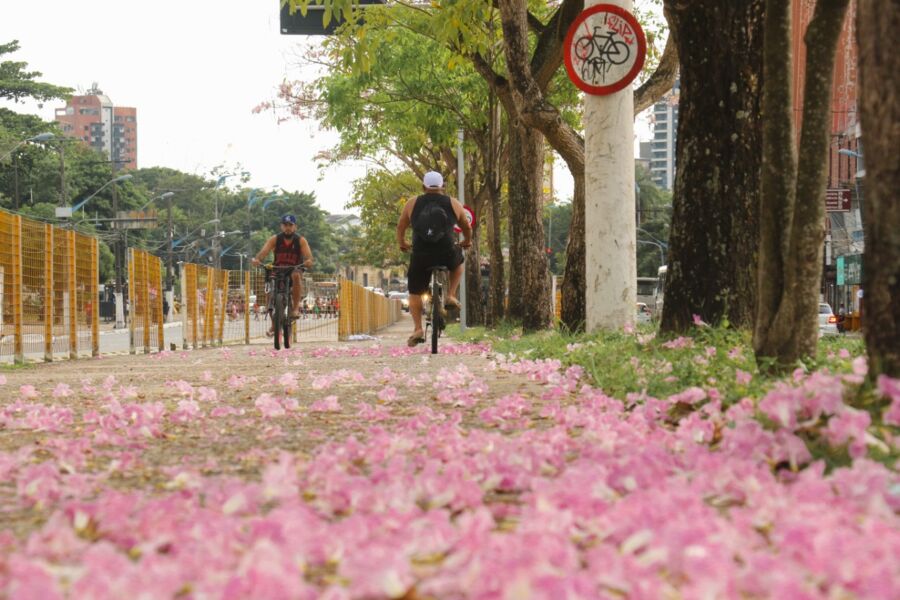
(403, 297)
(643, 313)
(828, 321)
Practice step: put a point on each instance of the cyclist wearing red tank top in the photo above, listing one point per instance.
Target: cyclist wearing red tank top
(290, 249)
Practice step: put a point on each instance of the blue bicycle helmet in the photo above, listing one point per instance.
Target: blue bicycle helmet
(289, 219)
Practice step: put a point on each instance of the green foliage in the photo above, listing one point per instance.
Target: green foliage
(379, 199)
(17, 83)
(656, 216)
(409, 102)
(557, 221)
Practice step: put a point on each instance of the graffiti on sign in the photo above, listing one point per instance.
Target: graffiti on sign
(605, 49)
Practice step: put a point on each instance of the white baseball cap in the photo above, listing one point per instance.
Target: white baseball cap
(433, 180)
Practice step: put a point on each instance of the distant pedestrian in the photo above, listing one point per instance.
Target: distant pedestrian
(165, 309)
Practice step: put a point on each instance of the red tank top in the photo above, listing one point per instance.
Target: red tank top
(287, 251)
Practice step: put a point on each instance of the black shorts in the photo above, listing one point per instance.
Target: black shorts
(418, 277)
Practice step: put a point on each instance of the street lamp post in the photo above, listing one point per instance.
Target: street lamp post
(118, 179)
(663, 246)
(70, 211)
(217, 262)
(42, 137)
(169, 267)
(662, 255)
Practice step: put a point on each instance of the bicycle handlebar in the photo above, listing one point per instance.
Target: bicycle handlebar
(302, 268)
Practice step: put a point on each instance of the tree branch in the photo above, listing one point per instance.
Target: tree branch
(661, 81)
(548, 55)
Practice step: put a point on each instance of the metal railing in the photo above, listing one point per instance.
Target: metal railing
(48, 291)
(49, 301)
(364, 312)
(145, 296)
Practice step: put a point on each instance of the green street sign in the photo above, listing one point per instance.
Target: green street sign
(839, 271)
(853, 269)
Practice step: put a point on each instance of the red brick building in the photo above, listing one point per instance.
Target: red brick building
(844, 122)
(845, 163)
(109, 129)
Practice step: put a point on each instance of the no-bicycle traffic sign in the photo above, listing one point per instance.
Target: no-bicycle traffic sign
(605, 49)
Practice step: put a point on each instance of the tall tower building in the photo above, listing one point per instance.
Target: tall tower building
(112, 130)
(665, 130)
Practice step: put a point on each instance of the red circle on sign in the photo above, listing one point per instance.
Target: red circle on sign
(470, 217)
(602, 90)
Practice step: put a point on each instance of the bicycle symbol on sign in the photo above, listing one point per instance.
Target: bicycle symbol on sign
(598, 53)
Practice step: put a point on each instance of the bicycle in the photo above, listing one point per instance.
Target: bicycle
(609, 52)
(433, 307)
(278, 289)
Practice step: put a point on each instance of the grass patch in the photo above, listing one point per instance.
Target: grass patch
(622, 364)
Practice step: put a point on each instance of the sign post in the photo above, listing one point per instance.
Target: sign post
(604, 52)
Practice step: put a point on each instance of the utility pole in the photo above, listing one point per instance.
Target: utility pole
(63, 201)
(215, 240)
(610, 219)
(119, 253)
(16, 177)
(169, 266)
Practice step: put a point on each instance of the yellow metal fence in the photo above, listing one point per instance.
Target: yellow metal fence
(145, 302)
(363, 311)
(49, 300)
(48, 291)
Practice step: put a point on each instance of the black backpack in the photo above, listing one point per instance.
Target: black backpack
(432, 223)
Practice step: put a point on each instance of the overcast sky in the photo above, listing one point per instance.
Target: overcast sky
(194, 70)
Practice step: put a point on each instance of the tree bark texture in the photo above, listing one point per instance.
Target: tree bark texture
(497, 292)
(779, 168)
(573, 309)
(529, 280)
(474, 304)
(878, 29)
(714, 237)
(789, 331)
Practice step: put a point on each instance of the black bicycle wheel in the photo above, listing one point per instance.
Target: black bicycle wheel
(287, 324)
(436, 302)
(278, 318)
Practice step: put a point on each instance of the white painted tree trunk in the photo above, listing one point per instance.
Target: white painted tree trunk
(611, 267)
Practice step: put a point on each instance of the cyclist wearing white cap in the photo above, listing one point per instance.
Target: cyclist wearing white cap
(432, 216)
(291, 249)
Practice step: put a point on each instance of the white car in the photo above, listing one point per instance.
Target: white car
(827, 320)
(643, 313)
(403, 297)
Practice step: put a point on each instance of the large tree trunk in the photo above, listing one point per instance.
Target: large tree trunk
(529, 285)
(714, 237)
(787, 323)
(474, 304)
(878, 29)
(497, 293)
(574, 283)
